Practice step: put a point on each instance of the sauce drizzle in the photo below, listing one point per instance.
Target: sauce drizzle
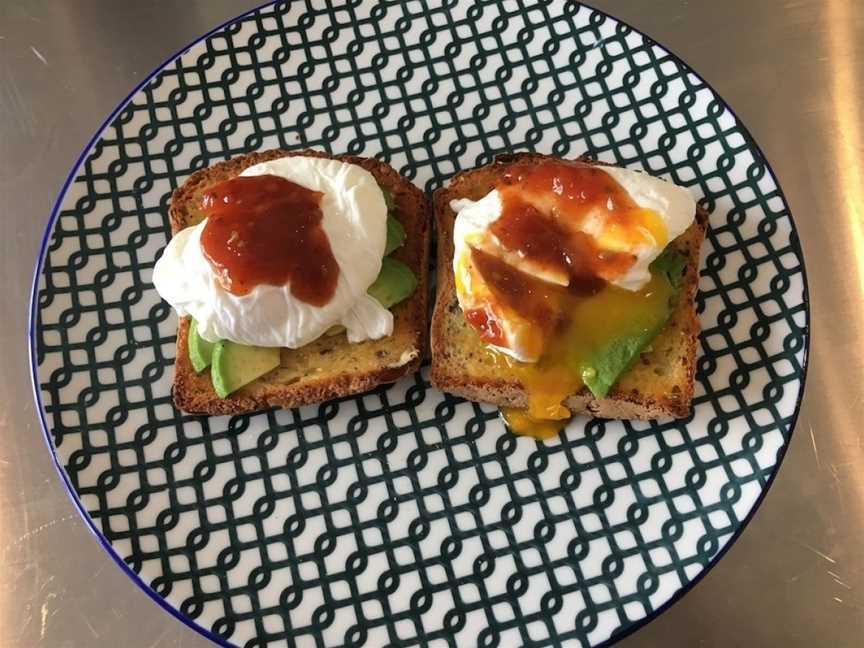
(267, 230)
(547, 208)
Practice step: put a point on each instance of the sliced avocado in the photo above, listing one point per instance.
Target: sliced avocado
(670, 263)
(200, 350)
(235, 365)
(395, 235)
(395, 283)
(395, 231)
(609, 362)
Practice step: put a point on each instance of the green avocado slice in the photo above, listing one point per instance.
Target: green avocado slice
(200, 350)
(394, 284)
(395, 235)
(609, 362)
(395, 231)
(670, 264)
(235, 365)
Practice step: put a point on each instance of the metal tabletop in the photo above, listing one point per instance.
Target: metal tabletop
(793, 70)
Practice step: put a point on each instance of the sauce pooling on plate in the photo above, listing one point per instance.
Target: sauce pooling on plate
(267, 230)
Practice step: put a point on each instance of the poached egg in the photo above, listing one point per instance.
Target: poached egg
(354, 219)
(659, 212)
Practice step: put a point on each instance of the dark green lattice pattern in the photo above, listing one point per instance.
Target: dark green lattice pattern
(405, 515)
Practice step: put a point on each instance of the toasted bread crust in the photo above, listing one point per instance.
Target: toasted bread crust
(329, 367)
(659, 385)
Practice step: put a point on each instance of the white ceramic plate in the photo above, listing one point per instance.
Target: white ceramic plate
(406, 516)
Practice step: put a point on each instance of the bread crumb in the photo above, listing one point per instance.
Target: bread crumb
(405, 358)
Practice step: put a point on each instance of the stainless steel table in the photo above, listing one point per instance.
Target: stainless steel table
(794, 72)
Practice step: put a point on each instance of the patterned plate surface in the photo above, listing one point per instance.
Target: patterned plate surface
(405, 515)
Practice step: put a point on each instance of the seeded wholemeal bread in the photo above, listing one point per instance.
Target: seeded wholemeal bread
(660, 384)
(329, 367)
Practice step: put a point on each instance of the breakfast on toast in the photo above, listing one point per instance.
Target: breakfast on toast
(298, 277)
(564, 287)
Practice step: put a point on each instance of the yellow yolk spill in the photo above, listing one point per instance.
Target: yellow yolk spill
(643, 227)
(523, 424)
(595, 321)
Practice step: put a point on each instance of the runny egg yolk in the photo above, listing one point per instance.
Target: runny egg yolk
(568, 220)
(594, 321)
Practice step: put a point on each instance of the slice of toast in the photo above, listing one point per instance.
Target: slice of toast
(329, 367)
(660, 384)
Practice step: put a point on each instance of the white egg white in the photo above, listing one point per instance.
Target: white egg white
(674, 204)
(355, 221)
